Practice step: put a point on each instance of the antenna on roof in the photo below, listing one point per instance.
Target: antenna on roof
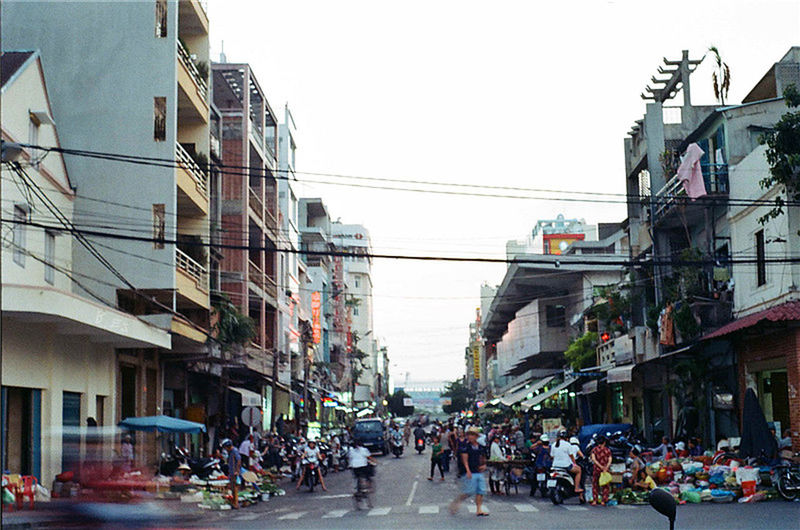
(222, 57)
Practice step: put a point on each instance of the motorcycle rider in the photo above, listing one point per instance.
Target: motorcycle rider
(543, 460)
(419, 432)
(563, 457)
(360, 460)
(311, 456)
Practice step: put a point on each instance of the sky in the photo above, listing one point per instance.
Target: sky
(511, 93)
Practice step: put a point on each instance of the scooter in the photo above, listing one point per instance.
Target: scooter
(420, 445)
(561, 486)
(311, 479)
(539, 480)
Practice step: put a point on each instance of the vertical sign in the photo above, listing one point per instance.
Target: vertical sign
(476, 360)
(316, 326)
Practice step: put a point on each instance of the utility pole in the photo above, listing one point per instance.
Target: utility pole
(275, 359)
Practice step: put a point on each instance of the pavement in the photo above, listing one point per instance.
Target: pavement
(404, 498)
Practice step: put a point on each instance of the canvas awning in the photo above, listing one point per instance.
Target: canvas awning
(621, 374)
(249, 398)
(162, 424)
(517, 396)
(535, 400)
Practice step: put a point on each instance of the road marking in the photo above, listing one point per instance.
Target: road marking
(334, 514)
(379, 511)
(248, 516)
(433, 509)
(342, 496)
(293, 515)
(411, 495)
(575, 508)
(624, 507)
(474, 509)
(526, 508)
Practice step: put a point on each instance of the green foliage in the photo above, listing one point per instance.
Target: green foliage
(396, 406)
(461, 397)
(783, 156)
(582, 351)
(685, 281)
(232, 327)
(686, 322)
(616, 308)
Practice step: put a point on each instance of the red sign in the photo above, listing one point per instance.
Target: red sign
(316, 326)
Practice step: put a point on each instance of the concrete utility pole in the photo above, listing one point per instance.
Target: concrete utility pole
(275, 359)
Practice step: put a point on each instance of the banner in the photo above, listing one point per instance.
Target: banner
(476, 361)
(316, 326)
(408, 402)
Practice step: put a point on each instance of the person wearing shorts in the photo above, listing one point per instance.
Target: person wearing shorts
(473, 481)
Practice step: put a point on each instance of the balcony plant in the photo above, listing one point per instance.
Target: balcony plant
(582, 351)
(233, 328)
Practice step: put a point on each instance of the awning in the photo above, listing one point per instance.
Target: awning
(621, 374)
(517, 396)
(249, 398)
(589, 387)
(779, 313)
(535, 400)
(162, 424)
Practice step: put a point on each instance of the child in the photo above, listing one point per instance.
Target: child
(436, 457)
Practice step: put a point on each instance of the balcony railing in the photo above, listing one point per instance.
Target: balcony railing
(194, 73)
(715, 178)
(255, 274)
(199, 175)
(270, 286)
(192, 268)
(255, 203)
(618, 350)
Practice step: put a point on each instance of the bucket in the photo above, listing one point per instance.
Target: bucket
(748, 487)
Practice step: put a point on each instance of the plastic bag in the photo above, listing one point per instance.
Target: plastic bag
(41, 494)
(605, 478)
(691, 496)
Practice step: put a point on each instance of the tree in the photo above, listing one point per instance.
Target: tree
(232, 327)
(721, 78)
(783, 156)
(461, 397)
(582, 351)
(396, 406)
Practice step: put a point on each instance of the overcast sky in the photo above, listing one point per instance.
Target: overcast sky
(533, 94)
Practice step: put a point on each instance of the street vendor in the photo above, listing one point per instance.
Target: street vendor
(644, 482)
(234, 467)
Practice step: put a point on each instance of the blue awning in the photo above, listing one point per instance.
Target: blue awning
(162, 424)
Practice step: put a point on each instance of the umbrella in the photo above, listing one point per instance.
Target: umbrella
(757, 441)
(162, 424)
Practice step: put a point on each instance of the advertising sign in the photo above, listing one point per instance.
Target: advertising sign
(316, 326)
(408, 402)
(476, 360)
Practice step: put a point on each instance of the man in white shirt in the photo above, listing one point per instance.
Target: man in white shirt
(360, 460)
(244, 450)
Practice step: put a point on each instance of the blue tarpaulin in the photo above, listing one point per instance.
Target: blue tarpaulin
(587, 431)
(162, 424)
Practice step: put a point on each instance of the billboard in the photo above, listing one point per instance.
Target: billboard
(316, 325)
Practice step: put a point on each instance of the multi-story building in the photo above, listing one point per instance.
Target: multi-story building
(59, 335)
(156, 108)
(249, 203)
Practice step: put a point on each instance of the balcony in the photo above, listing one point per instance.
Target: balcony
(192, 182)
(616, 351)
(193, 87)
(255, 274)
(715, 177)
(191, 281)
(254, 200)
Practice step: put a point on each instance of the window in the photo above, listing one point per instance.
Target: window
(555, 316)
(159, 225)
(355, 311)
(18, 236)
(161, 19)
(358, 282)
(160, 119)
(49, 257)
(33, 139)
(761, 264)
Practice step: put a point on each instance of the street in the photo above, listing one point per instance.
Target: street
(406, 499)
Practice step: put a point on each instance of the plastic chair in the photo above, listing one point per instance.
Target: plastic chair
(26, 488)
(11, 483)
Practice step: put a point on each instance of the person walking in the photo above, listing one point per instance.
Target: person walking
(407, 433)
(245, 448)
(601, 458)
(436, 457)
(234, 466)
(461, 446)
(473, 483)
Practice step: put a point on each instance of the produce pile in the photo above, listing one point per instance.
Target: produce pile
(214, 494)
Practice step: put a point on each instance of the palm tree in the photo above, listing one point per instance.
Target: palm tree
(721, 78)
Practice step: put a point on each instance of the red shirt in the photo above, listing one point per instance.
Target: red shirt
(602, 455)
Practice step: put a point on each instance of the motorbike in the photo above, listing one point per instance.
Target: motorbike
(539, 480)
(311, 479)
(363, 492)
(561, 486)
(396, 444)
(201, 467)
(420, 445)
(786, 477)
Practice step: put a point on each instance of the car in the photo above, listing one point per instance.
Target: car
(371, 433)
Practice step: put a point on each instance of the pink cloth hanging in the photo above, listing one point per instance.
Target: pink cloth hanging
(690, 173)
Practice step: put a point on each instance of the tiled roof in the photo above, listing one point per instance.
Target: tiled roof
(10, 62)
(779, 313)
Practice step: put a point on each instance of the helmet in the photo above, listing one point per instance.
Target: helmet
(574, 441)
(226, 442)
(562, 434)
(545, 438)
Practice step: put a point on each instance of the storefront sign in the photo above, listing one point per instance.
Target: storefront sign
(316, 326)
(408, 402)
(476, 361)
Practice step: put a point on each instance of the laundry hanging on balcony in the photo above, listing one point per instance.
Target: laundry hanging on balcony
(690, 174)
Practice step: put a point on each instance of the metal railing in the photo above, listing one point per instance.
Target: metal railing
(255, 203)
(199, 175)
(192, 268)
(194, 73)
(270, 286)
(255, 274)
(715, 178)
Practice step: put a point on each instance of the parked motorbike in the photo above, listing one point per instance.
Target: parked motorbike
(561, 486)
(420, 445)
(786, 477)
(201, 467)
(539, 480)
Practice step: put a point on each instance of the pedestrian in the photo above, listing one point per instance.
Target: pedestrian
(496, 474)
(461, 446)
(436, 457)
(446, 448)
(234, 467)
(245, 448)
(126, 453)
(407, 433)
(601, 458)
(473, 483)
(336, 448)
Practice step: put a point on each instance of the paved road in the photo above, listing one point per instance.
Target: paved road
(406, 499)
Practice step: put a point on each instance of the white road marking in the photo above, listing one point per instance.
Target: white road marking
(474, 509)
(293, 515)
(526, 508)
(411, 495)
(624, 507)
(433, 509)
(334, 514)
(248, 516)
(575, 508)
(379, 511)
(342, 496)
